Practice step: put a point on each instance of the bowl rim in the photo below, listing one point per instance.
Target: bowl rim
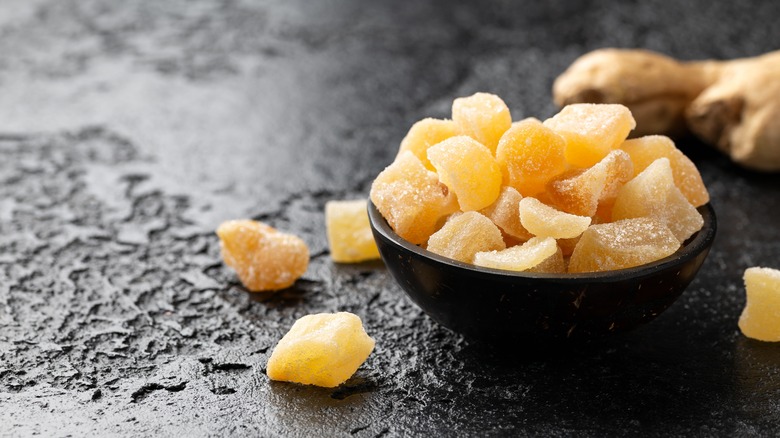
(691, 248)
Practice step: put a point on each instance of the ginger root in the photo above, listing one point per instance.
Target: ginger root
(733, 105)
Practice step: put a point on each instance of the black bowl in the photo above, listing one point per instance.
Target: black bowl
(497, 305)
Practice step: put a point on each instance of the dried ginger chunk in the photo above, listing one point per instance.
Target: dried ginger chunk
(424, 134)
(349, 232)
(483, 117)
(545, 221)
(505, 213)
(465, 235)
(523, 257)
(530, 154)
(580, 193)
(653, 193)
(469, 170)
(411, 198)
(761, 317)
(591, 130)
(263, 257)
(324, 349)
(622, 244)
(645, 150)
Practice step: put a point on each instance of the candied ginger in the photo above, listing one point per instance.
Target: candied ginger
(483, 117)
(411, 198)
(761, 317)
(653, 193)
(506, 214)
(349, 233)
(622, 244)
(465, 235)
(469, 170)
(581, 192)
(521, 257)
(424, 134)
(591, 130)
(263, 257)
(324, 349)
(545, 221)
(645, 150)
(531, 154)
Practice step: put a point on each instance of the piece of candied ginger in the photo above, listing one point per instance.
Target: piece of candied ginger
(411, 198)
(525, 257)
(483, 117)
(349, 232)
(263, 257)
(653, 193)
(324, 349)
(544, 221)
(591, 130)
(468, 169)
(761, 317)
(464, 235)
(424, 134)
(622, 244)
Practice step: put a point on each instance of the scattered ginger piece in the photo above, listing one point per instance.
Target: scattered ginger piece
(349, 232)
(761, 317)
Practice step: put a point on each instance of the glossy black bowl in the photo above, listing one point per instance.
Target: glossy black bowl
(497, 305)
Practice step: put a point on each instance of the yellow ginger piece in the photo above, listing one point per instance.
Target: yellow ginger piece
(465, 235)
(522, 257)
(263, 257)
(483, 117)
(424, 134)
(323, 350)
(545, 221)
(411, 198)
(530, 154)
(469, 170)
(645, 150)
(653, 193)
(591, 130)
(761, 317)
(580, 193)
(349, 233)
(506, 214)
(555, 264)
(622, 244)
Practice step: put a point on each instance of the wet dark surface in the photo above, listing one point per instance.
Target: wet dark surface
(128, 130)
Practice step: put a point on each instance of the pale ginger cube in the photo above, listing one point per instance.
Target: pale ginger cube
(761, 317)
(469, 170)
(323, 350)
(653, 193)
(424, 134)
(349, 232)
(483, 117)
(464, 235)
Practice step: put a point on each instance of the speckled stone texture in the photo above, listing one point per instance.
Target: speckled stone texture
(129, 130)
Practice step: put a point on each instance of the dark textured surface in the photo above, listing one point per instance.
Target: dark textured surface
(128, 130)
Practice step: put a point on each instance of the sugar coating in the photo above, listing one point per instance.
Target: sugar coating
(483, 117)
(519, 258)
(545, 221)
(468, 169)
(411, 198)
(349, 232)
(424, 134)
(505, 213)
(622, 244)
(581, 191)
(645, 150)
(530, 154)
(760, 318)
(263, 257)
(555, 264)
(653, 193)
(324, 349)
(591, 130)
(464, 235)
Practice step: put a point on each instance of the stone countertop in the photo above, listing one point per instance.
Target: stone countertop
(129, 130)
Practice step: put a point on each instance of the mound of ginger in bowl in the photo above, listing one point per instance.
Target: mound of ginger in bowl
(570, 194)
